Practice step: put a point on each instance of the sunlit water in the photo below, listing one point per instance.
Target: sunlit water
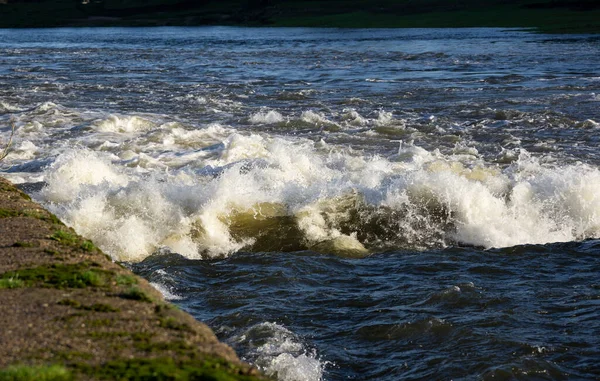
(335, 204)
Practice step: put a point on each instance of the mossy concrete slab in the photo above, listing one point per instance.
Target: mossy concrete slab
(69, 312)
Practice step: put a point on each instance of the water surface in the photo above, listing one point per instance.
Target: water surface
(335, 203)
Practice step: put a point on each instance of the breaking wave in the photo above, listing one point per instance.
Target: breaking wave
(279, 353)
(210, 192)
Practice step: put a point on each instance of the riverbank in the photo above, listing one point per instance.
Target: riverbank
(566, 16)
(70, 313)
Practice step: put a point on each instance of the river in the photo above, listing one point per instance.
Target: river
(337, 204)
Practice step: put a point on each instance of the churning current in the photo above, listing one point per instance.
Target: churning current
(415, 204)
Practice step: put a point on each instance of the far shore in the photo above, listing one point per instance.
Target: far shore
(545, 16)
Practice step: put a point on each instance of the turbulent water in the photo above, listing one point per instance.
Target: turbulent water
(335, 204)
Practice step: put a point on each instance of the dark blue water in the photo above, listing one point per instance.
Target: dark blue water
(418, 204)
(526, 312)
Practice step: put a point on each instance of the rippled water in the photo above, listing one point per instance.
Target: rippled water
(335, 204)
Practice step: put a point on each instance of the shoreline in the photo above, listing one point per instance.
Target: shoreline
(544, 16)
(71, 313)
(583, 30)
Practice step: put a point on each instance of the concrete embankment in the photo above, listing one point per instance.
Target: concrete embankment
(69, 313)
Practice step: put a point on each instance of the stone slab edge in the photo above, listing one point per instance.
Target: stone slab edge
(68, 312)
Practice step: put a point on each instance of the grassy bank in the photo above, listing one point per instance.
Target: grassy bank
(70, 313)
(551, 16)
(546, 20)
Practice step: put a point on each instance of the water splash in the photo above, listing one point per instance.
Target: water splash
(267, 193)
(279, 353)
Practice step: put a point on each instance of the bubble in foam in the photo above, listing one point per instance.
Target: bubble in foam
(289, 368)
(76, 169)
(264, 193)
(116, 123)
(384, 118)
(239, 147)
(351, 116)
(46, 106)
(279, 353)
(266, 117)
(7, 107)
(588, 123)
(174, 134)
(26, 150)
(410, 153)
(313, 117)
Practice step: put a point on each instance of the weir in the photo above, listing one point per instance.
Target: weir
(70, 312)
(367, 204)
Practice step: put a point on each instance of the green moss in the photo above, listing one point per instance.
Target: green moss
(11, 283)
(126, 280)
(6, 213)
(88, 246)
(70, 303)
(41, 215)
(35, 373)
(78, 275)
(66, 238)
(101, 307)
(31, 213)
(52, 252)
(180, 348)
(73, 355)
(108, 335)
(163, 307)
(142, 336)
(172, 323)
(93, 278)
(97, 307)
(70, 317)
(25, 244)
(61, 276)
(24, 196)
(52, 218)
(100, 323)
(134, 293)
(72, 239)
(143, 341)
(166, 369)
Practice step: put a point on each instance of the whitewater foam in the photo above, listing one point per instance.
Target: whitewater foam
(266, 117)
(123, 124)
(279, 353)
(256, 192)
(6, 107)
(161, 281)
(166, 293)
(138, 183)
(312, 117)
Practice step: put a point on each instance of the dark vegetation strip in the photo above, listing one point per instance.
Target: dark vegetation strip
(546, 15)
